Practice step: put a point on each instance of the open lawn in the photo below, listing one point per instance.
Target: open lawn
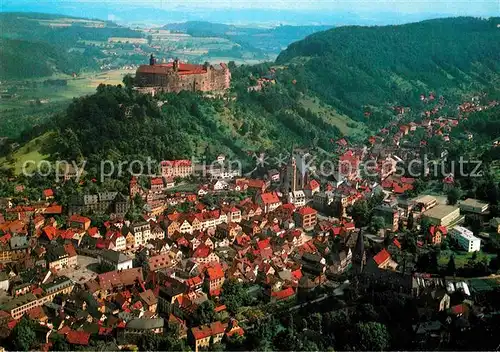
(461, 258)
(30, 152)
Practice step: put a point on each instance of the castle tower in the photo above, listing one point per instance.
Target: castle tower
(359, 255)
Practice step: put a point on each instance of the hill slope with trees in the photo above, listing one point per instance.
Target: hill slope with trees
(37, 45)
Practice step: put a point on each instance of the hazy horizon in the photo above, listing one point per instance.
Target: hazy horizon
(260, 11)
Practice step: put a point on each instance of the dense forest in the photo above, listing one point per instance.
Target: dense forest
(269, 40)
(357, 68)
(31, 48)
(23, 59)
(124, 125)
(345, 67)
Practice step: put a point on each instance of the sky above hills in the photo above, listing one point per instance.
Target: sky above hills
(245, 11)
(491, 7)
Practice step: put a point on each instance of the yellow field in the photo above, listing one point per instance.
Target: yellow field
(113, 77)
(127, 40)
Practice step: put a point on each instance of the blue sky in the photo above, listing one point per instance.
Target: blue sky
(456, 7)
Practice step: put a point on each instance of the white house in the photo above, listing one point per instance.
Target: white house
(117, 260)
(465, 239)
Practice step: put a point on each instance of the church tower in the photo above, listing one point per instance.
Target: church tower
(289, 184)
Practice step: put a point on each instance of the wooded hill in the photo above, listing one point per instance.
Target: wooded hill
(37, 45)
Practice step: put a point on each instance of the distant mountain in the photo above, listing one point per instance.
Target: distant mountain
(269, 40)
(132, 14)
(357, 68)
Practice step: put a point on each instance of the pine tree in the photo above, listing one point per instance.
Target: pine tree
(451, 268)
(411, 222)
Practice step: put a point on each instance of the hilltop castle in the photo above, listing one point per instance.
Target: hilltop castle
(177, 76)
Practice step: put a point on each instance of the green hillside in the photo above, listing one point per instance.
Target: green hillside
(21, 59)
(39, 45)
(355, 68)
(123, 125)
(323, 84)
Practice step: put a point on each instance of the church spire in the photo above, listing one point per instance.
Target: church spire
(359, 255)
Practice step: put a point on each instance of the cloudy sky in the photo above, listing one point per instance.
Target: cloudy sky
(458, 7)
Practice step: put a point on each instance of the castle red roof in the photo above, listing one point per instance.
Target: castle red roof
(184, 69)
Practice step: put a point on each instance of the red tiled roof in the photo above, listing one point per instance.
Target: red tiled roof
(50, 232)
(297, 274)
(176, 163)
(157, 181)
(269, 198)
(381, 257)
(283, 294)
(48, 193)
(220, 308)
(307, 211)
(193, 281)
(78, 218)
(78, 337)
(93, 232)
(202, 251)
(262, 244)
(159, 261)
(53, 209)
(70, 250)
(397, 243)
(312, 185)
(255, 183)
(201, 332)
(458, 309)
(215, 272)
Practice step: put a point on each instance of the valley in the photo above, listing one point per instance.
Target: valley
(202, 186)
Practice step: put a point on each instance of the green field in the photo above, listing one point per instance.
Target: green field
(30, 152)
(33, 103)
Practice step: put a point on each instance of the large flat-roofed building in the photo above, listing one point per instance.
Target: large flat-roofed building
(426, 201)
(471, 205)
(442, 215)
(465, 239)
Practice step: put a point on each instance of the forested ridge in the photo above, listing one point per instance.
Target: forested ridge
(30, 49)
(124, 125)
(347, 68)
(355, 68)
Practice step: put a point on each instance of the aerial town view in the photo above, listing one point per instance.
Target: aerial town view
(249, 176)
